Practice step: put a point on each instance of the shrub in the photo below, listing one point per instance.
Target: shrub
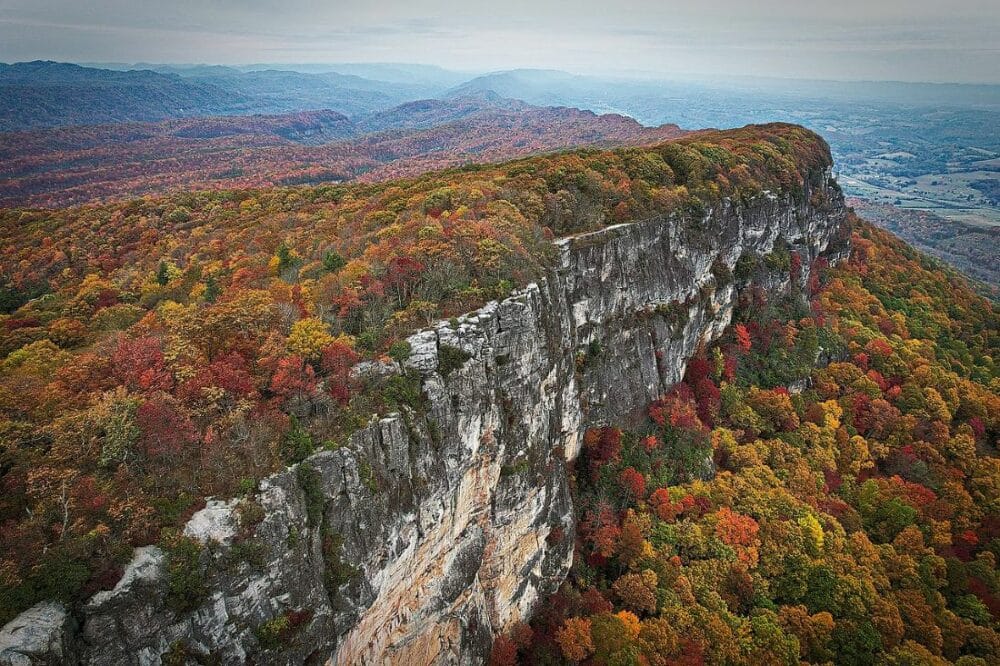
(451, 358)
(676, 315)
(336, 571)
(179, 215)
(367, 475)
(250, 514)
(251, 551)
(274, 633)
(297, 444)
(400, 390)
(309, 481)
(186, 575)
(720, 271)
(745, 267)
(333, 262)
(399, 351)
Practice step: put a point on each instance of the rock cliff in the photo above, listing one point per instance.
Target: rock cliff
(436, 528)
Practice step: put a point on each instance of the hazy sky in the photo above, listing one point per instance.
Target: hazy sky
(914, 40)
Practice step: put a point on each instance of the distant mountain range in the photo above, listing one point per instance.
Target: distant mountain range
(50, 94)
(928, 146)
(429, 75)
(76, 164)
(47, 94)
(536, 85)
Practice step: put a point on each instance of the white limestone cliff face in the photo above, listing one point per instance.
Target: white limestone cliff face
(450, 522)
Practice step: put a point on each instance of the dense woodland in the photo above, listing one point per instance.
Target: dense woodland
(851, 520)
(162, 350)
(972, 249)
(72, 165)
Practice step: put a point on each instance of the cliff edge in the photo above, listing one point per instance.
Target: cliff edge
(435, 528)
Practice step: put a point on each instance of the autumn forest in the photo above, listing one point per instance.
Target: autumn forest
(190, 305)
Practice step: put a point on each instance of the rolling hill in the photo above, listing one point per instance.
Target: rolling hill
(71, 165)
(45, 94)
(51, 94)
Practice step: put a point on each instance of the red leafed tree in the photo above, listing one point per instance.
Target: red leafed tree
(347, 301)
(230, 373)
(664, 508)
(677, 409)
(600, 527)
(337, 360)
(294, 378)
(743, 337)
(697, 370)
(735, 529)
(575, 640)
(594, 603)
(877, 377)
(400, 275)
(602, 445)
(139, 365)
(522, 634)
(504, 652)
(634, 482)
(878, 349)
(709, 400)
(165, 431)
(620, 212)
(729, 368)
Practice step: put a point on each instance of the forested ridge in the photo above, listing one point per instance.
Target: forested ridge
(161, 350)
(854, 519)
(822, 487)
(63, 166)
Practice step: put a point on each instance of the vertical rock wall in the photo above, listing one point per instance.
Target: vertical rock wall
(435, 529)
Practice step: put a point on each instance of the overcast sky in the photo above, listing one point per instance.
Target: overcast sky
(911, 40)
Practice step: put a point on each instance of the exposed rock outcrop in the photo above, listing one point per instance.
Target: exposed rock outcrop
(40, 635)
(435, 529)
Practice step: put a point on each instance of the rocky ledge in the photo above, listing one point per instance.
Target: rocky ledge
(434, 529)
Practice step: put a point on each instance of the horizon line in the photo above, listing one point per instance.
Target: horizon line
(629, 74)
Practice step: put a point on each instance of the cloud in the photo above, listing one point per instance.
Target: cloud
(910, 40)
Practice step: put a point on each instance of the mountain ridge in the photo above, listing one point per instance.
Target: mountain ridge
(79, 164)
(447, 515)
